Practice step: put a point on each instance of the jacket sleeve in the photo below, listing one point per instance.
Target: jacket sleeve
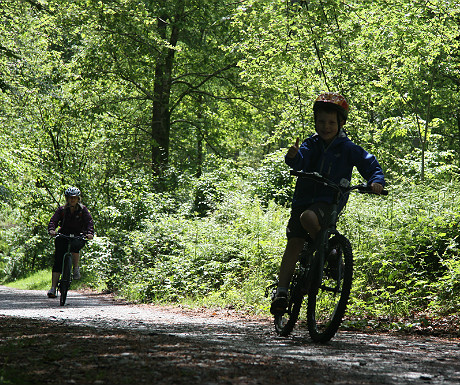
(368, 166)
(302, 158)
(54, 221)
(88, 219)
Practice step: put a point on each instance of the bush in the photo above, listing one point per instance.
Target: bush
(405, 250)
(272, 180)
(26, 250)
(178, 257)
(219, 240)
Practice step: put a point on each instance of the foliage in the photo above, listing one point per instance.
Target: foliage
(38, 280)
(406, 251)
(272, 180)
(177, 256)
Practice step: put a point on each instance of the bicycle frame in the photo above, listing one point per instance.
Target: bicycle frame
(323, 237)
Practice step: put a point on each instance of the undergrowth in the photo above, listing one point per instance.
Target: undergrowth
(223, 247)
(406, 254)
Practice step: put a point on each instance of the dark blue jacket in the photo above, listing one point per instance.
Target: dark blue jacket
(334, 162)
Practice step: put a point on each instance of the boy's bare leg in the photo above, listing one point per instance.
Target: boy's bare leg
(75, 259)
(310, 223)
(291, 253)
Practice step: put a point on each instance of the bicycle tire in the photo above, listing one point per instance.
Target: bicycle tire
(65, 278)
(328, 300)
(284, 323)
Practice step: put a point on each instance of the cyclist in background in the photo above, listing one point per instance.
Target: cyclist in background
(333, 155)
(72, 218)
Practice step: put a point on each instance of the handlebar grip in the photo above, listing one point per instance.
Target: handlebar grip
(367, 190)
(296, 173)
(306, 174)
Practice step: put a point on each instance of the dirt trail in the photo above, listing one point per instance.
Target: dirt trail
(103, 341)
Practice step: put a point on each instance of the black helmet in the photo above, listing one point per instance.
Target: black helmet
(72, 192)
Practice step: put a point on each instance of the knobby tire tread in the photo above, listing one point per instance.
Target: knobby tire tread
(329, 332)
(66, 277)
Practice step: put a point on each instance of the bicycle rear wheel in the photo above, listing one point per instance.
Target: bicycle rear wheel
(64, 285)
(328, 300)
(284, 323)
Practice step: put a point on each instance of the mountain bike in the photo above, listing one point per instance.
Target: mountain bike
(66, 274)
(323, 273)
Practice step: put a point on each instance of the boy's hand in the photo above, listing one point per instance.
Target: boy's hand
(293, 150)
(377, 188)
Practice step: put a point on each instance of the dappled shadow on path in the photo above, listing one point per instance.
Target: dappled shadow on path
(56, 354)
(236, 349)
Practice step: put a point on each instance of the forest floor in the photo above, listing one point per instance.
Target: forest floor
(97, 339)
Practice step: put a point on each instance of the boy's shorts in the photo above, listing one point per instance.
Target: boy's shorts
(294, 228)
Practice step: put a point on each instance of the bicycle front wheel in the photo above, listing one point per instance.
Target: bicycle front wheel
(65, 278)
(327, 301)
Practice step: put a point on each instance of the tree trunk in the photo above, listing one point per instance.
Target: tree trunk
(161, 114)
(458, 132)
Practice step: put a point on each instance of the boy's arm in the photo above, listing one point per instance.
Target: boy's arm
(297, 156)
(369, 167)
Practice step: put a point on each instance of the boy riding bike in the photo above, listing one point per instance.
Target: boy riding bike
(332, 154)
(73, 218)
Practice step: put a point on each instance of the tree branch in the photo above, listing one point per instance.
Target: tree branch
(200, 84)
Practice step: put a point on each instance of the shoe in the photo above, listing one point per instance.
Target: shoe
(76, 273)
(52, 293)
(279, 304)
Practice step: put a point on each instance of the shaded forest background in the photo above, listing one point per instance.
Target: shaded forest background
(173, 118)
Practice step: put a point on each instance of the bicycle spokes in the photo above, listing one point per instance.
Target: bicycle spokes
(333, 278)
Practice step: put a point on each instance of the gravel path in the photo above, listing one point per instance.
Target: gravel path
(245, 348)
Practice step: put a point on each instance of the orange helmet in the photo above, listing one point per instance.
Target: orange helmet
(332, 100)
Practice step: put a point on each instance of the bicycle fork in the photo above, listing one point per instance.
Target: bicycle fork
(319, 260)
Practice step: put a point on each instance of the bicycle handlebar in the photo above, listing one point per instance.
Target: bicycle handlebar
(362, 188)
(83, 237)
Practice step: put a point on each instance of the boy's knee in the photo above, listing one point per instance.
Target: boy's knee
(310, 221)
(309, 217)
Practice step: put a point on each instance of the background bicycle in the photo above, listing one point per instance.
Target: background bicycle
(66, 275)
